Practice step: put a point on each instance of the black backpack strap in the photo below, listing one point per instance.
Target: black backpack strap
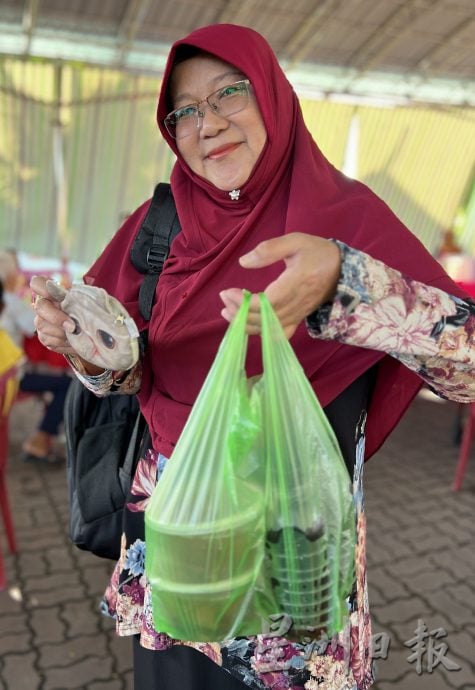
(152, 244)
(127, 470)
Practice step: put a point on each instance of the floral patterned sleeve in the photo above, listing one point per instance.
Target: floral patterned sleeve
(109, 381)
(427, 330)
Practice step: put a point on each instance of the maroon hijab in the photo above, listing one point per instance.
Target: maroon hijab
(292, 188)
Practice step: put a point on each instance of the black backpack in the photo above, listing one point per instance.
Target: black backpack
(104, 436)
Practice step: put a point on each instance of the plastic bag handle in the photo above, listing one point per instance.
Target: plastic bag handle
(231, 355)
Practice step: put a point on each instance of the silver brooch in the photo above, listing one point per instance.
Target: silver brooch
(234, 194)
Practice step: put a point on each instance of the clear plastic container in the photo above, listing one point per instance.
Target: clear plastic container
(216, 608)
(203, 574)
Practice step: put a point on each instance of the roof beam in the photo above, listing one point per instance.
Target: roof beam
(30, 15)
(389, 33)
(237, 12)
(131, 21)
(450, 41)
(304, 39)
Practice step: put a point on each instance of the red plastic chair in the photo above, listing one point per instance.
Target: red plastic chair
(8, 389)
(467, 439)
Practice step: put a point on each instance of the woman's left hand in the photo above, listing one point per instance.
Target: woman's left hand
(310, 278)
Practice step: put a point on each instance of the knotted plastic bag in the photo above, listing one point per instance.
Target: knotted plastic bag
(253, 515)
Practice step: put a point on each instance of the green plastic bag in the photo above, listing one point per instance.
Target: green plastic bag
(253, 515)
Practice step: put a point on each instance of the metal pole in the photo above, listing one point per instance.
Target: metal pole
(59, 170)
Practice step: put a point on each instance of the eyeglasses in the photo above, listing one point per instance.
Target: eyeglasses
(226, 101)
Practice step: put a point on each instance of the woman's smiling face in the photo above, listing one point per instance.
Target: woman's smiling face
(223, 150)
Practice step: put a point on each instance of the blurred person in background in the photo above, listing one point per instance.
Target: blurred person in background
(10, 354)
(17, 320)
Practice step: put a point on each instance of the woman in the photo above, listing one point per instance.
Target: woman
(253, 191)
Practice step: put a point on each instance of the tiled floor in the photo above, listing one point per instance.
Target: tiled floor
(421, 568)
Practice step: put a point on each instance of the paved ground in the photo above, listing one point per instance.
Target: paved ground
(420, 553)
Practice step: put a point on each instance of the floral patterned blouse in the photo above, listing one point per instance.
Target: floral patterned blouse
(376, 307)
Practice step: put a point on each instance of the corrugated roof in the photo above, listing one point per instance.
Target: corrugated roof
(429, 41)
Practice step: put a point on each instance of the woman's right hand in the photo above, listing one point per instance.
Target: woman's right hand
(50, 321)
(52, 324)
